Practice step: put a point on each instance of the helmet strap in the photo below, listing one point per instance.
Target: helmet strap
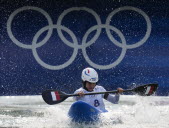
(84, 85)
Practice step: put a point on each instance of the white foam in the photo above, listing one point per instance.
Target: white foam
(131, 112)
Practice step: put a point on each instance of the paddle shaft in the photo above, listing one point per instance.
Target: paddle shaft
(93, 93)
(54, 96)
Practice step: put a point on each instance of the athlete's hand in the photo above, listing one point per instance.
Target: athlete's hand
(120, 90)
(81, 94)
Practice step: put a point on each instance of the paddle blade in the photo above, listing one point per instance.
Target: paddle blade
(53, 97)
(146, 90)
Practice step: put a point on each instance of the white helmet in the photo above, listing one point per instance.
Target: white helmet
(90, 75)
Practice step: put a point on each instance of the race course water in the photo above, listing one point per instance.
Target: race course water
(131, 112)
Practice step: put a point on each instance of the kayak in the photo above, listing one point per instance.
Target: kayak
(82, 112)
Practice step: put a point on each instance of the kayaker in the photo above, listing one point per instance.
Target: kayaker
(89, 81)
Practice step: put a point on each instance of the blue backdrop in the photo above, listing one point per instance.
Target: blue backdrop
(46, 44)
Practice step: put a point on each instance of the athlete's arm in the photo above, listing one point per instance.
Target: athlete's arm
(113, 99)
(81, 94)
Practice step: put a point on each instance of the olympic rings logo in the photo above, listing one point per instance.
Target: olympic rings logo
(75, 44)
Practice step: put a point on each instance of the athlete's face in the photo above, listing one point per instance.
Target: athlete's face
(90, 86)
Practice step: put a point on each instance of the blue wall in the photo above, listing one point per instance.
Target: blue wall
(46, 44)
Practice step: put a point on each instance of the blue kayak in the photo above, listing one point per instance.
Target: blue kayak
(83, 112)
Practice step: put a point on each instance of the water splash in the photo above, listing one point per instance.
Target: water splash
(131, 112)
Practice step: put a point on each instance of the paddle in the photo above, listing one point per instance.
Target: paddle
(54, 97)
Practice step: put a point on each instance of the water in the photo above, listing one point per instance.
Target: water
(131, 112)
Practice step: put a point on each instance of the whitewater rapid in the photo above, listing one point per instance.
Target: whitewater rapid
(131, 112)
